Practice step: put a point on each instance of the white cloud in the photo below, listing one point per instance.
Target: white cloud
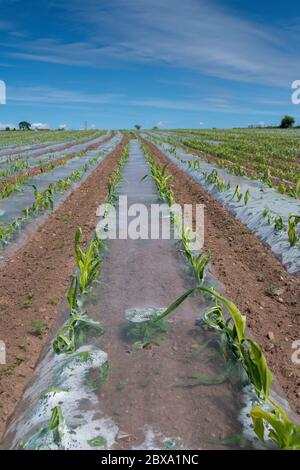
(39, 126)
(4, 126)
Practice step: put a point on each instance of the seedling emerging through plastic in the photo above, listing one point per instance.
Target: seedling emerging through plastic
(143, 326)
(237, 193)
(57, 424)
(74, 333)
(96, 377)
(293, 221)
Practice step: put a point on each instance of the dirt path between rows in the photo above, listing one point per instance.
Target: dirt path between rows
(254, 280)
(36, 170)
(35, 279)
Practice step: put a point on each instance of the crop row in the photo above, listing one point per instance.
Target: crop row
(283, 174)
(215, 181)
(268, 417)
(14, 184)
(75, 331)
(44, 200)
(15, 139)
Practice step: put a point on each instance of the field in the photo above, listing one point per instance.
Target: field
(143, 342)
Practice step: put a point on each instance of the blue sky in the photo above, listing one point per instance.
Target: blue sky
(171, 63)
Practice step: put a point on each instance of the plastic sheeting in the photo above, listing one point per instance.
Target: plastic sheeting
(261, 197)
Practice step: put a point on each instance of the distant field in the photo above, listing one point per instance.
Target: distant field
(15, 138)
(116, 313)
(270, 154)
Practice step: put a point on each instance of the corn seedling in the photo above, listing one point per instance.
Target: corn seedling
(281, 430)
(74, 333)
(293, 236)
(149, 331)
(88, 262)
(199, 265)
(221, 185)
(267, 178)
(96, 377)
(38, 328)
(266, 214)
(201, 379)
(56, 425)
(98, 441)
(246, 197)
(245, 349)
(211, 178)
(237, 193)
(278, 224)
(294, 192)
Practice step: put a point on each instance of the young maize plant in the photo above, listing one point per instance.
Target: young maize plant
(267, 178)
(8, 188)
(293, 221)
(237, 193)
(281, 430)
(277, 220)
(72, 335)
(116, 176)
(211, 178)
(221, 185)
(278, 224)
(246, 197)
(56, 425)
(294, 192)
(88, 262)
(161, 178)
(45, 199)
(192, 164)
(291, 191)
(198, 263)
(249, 354)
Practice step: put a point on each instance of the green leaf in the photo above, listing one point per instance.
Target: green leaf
(98, 441)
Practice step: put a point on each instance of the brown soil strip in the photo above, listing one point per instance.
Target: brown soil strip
(249, 270)
(35, 279)
(36, 170)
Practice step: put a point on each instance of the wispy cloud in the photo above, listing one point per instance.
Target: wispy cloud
(193, 34)
(47, 94)
(56, 97)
